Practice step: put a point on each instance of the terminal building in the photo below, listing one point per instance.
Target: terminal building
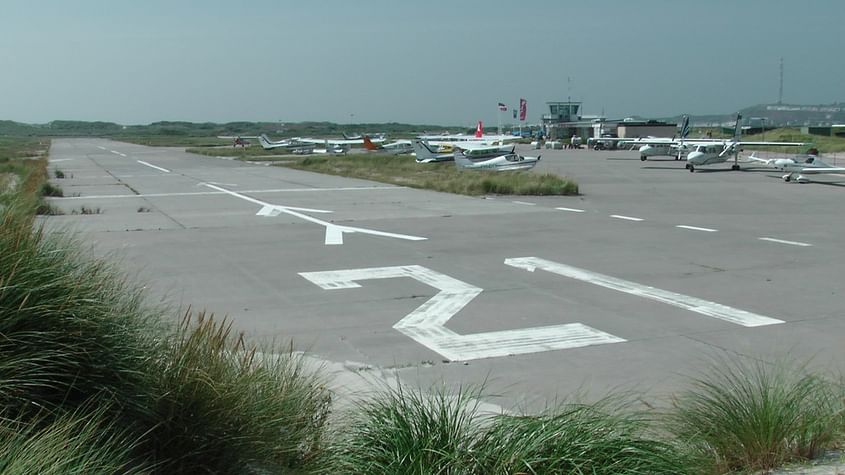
(564, 120)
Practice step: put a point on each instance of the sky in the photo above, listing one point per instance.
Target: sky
(423, 62)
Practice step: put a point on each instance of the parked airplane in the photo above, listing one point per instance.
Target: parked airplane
(396, 148)
(347, 142)
(425, 154)
(801, 165)
(709, 153)
(459, 138)
(360, 136)
(290, 144)
(501, 163)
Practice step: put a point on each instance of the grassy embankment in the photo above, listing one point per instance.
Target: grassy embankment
(444, 176)
(92, 380)
(822, 143)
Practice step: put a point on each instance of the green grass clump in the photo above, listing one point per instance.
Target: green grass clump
(577, 438)
(221, 406)
(753, 416)
(405, 171)
(409, 431)
(76, 443)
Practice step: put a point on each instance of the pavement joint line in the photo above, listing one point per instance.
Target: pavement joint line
(626, 218)
(783, 241)
(204, 193)
(574, 210)
(696, 228)
(523, 203)
(153, 166)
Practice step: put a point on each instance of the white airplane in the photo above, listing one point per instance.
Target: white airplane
(346, 142)
(396, 148)
(425, 154)
(659, 146)
(709, 153)
(293, 145)
(501, 163)
(460, 138)
(800, 165)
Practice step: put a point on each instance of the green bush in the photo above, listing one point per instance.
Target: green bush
(221, 406)
(756, 416)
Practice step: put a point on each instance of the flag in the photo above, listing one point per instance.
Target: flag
(502, 107)
(523, 109)
(514, 114)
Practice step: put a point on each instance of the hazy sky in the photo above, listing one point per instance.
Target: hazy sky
(432, 61)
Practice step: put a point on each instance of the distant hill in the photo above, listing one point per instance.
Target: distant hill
(776, 115)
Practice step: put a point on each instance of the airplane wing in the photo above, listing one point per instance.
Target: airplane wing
(821, 170)
(773, 144)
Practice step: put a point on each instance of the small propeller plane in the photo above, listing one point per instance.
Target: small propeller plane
(498, 162)
(800, 166)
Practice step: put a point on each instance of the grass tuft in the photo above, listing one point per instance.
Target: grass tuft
(600, 438)
(221, 406)
(755, 416)
(409, 431)
(405, 171)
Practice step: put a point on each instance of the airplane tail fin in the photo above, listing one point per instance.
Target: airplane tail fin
(461, 161)
(368, 144)
(264, 141)
(738, 127)
(479, 129)
(424, 153)
(345, 136)
(685, 128)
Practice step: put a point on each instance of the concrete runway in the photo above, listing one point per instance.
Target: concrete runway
(643, 280)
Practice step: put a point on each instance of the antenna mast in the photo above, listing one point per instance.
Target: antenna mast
(780, 90)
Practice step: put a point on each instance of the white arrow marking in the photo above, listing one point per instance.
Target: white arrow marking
(694, 304)
(152, 166)
(426, 324)
(334, 232)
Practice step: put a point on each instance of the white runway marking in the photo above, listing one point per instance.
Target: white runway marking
(426, 324)
(696, 228)
(334, 233)
(117, 153)
(55, 160)
(153, 166)
(524, 203)
(694, 304)
(208, 193)
(781, 241)
(627, 218)
(100, 147)
(574, 210)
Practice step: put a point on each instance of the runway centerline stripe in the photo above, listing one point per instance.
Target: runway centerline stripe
(100, 147)
(626, 218)
(117, 153)
(782, 241)
(153, 166)
(693, 304)
(696, 228)
(523, 203)
(574, 210)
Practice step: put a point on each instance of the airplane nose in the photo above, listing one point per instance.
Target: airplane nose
(693, 157)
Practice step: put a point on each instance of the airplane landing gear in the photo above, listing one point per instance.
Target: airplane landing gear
(642, 158)
(734, 167)
(690, 167)
(787, 178)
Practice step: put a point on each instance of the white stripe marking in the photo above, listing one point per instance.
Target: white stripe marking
(694, 304)
(101, 148)
(627, 218)
(696, 228)
(153, 166)
(524, 203)
(205, 193)
(54, 160)
(117, 153)
(331, 229)
(574, 210)
(781, 241)
(426, 324)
